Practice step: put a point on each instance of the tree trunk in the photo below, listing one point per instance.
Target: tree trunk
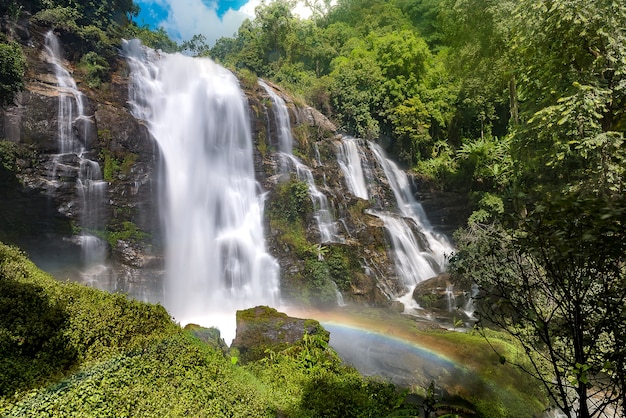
(513, 104)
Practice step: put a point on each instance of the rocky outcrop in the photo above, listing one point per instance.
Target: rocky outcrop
(209, 336)
(440, 295)
(45, 184)
(262, 329)
(40, 191)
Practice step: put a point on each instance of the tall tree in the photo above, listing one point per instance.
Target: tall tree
(572, 81)
(554, 276)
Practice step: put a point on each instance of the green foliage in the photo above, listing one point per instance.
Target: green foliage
(156, 39)
(555, 282)
(486, 162)
(47, 328)
(63, 18)
(127, 231)
(115, 165)
(356, 92)
(110, 164)
(12, 67)
(84, 27)
(291, 202)
(309, 380)
(8, 152)
(95, 68)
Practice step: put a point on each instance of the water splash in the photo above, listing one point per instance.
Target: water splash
(216, 259)
(420, 253)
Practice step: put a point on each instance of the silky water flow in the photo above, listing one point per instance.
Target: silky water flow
(215, 253)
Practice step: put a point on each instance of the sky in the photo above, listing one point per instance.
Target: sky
(182, 19)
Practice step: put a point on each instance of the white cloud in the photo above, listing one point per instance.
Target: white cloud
(187, 18)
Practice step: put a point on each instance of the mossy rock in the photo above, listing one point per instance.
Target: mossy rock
(209, 336)
(263, 329)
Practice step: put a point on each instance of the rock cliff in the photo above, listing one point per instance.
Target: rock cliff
(41, 204)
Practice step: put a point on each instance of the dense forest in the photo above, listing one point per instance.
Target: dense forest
(520, 104)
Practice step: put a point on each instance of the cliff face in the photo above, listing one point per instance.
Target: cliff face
(42, 201)
(41, 207)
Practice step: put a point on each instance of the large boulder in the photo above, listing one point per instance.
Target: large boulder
(439, 293)
(263, 328)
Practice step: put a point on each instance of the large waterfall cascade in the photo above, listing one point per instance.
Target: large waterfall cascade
(72, 136)
(323, 214)
(216, 259)
(419, 252)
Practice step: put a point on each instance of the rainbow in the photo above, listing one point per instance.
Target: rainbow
(413, 354)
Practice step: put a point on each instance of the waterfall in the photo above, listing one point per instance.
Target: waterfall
(432, 247)
(418, 252)
(216, 259)
(349, 159)
(283, 126)
(323, 214)
(72, 137)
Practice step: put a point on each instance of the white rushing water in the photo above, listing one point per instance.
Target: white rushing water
(323, 214)
(435, 245)
(419, 253)
(72, 134)
(350, 161)
(216, 259)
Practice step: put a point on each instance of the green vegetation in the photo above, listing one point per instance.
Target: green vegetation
(12, 67)
(127, 231)
(70, 350)
(114, 166)
(519, 103)
(321, 265)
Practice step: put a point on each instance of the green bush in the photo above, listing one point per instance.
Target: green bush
(12, 67)
(63, 18)
(95, 69)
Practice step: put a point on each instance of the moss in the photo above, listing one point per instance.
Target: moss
(114, 165)
(248, 79)
(110, 164)
(262, 142)
(259, 313)
(128, 231)
(8, 155)
(127, 164)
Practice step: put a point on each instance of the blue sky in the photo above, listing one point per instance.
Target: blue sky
(182, 19)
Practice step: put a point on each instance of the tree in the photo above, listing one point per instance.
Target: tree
(356, 91)
(12, 67)
(479, 33)
(557, 284)
(572, 81)
(553, 275)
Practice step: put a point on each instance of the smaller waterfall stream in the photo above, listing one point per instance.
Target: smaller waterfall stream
(72, 136)
(350, 161)
(323, 214)
(419, 253)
